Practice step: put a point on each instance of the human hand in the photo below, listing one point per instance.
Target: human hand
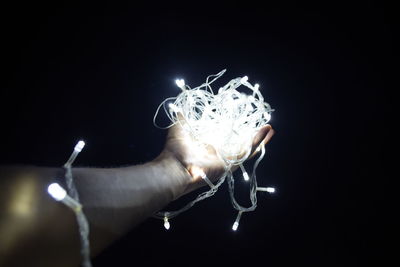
(187, 152)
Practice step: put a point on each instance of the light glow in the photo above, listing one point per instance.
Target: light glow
(167, 225)
(270, 190)
(79, 146)
(266, 189)
(197, 172)
(235, 226)
(228, 120)
(56, 191)
(180, 83)
(236, 223)
(246, 176)
(173, 107)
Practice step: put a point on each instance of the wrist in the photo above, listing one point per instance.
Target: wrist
(174, 174)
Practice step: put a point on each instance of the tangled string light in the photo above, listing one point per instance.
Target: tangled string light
(228, 121)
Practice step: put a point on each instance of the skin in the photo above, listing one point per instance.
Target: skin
(35, 230)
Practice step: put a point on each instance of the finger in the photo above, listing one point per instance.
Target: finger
(177, 128)
(180, 117)
(263, 136)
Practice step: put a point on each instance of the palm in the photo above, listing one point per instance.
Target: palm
(191, 155)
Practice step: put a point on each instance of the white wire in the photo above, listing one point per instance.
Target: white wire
(83, 224)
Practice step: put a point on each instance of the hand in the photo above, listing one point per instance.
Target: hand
(185, 150)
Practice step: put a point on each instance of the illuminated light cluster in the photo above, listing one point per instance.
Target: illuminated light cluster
(227, 120)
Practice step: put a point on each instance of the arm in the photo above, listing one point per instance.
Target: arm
(34, 228)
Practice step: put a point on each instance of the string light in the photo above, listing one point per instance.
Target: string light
(228, 121)
(71, 200)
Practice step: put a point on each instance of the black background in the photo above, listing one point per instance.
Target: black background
(98, 72)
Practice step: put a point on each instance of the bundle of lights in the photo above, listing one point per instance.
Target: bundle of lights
(228, 121)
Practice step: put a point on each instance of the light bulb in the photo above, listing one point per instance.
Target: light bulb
(235, 226)
(236, 223)
(244, 79)
(56, 191)
(270, 189)
(166, 223)
(79, 146)
(266, 189)
(173, 107)
(180, 83)
(59, 194)
(259, 147)
(246, 176)
(197, 172)
(256, 86)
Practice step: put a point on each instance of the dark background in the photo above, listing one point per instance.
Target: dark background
(98, 72)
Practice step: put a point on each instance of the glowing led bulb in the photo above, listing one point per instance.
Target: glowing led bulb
(59, 194)
(244, 79)
(56, 191)
(270, 190)
(259, 147)
(235, 226)
(173, 107)
(77, 149)
(236, 223)
(256, 86)
(166, 223)
(79, 146)
(266, 189)
(198, 172)
(246, 176)
(180, 83)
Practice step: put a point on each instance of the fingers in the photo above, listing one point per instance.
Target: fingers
(263, 136)
(180, 117)
(177, 128)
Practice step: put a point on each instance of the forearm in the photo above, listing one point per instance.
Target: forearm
(114, 200)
